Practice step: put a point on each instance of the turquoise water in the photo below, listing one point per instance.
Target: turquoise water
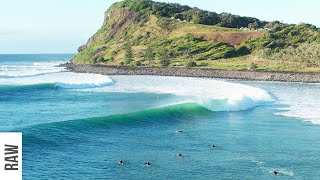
(77, 126)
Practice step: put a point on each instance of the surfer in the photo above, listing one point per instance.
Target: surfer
(275, 172)
(213, 146)
(179, 155)
(147, 163)
(179, 131)
(120, 162)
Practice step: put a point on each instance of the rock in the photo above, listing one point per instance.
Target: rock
(196, 72)
(81, 48)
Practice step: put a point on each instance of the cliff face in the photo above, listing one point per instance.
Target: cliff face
(110, 36)
(147, 33)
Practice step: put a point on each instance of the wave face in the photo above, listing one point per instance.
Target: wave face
(163, 114)
(215, 95)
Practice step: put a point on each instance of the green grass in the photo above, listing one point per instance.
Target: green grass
(244, 63)
(286, 47)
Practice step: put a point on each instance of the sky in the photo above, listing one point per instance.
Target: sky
(61, 26)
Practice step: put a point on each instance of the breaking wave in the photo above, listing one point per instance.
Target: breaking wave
(215, 95)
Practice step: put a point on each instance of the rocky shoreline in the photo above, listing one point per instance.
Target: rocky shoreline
(196, 72)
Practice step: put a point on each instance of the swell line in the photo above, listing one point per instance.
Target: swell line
(9, 89)
(51, 132)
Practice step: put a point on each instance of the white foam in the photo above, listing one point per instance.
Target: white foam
(213, 94)
(303, 101)
(63, 79)
(28, 73)
(282, 172)
(29, 69)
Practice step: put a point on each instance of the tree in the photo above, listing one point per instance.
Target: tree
(129, 52)
(269, 25)
(227, 19)
(149, 55)
(276, 27)
(164, 57)
(254, 25)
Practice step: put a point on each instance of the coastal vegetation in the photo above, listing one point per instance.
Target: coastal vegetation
(148, 33)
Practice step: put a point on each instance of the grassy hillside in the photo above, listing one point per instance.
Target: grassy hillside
(147, 33)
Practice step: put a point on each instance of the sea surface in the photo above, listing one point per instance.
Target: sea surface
(77, 126)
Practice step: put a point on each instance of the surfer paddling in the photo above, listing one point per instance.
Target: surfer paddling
(179, 155)
(120, 162)
(147, 163)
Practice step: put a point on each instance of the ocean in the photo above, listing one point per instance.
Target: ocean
(77, 126)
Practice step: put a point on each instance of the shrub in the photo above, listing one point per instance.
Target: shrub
(191, 64)
(165, 62)
(307, 53)
(97, 59)
(128, 61)
(253, 67)
(93, 60)
(243, 50)
(100, 59)
(135, 63)
(204, 64)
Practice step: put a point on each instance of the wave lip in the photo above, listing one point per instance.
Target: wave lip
(236, 98)
(240, 103)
